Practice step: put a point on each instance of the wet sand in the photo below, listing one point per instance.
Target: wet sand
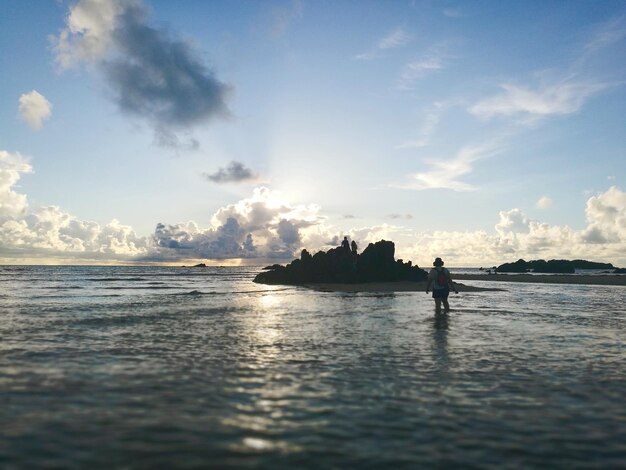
(407, 286)
(403, 286)
(598, 280)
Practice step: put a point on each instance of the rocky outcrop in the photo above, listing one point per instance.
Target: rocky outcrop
(340, 265)
(554, 266)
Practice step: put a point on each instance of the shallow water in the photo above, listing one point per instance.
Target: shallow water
(159, 367)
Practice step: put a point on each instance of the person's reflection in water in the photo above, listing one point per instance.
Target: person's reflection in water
(440, 337)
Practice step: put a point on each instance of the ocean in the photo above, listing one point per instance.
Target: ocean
(171, 367)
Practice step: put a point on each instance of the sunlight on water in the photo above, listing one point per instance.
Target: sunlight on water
(184, 367)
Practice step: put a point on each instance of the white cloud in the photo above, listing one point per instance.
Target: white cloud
(444, 174)
(261, 226)
(434, 59)
(607, 34)
(34, 108)
(544, 202)
(428, 127)
(516, 236)
(88, 35)
(413, 71)
(48, 231)
(606, 216)
(513, 221)
(397, 38)
(265, 225)
(12, 165)
(562, 98)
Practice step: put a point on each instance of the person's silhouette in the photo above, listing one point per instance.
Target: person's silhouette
(441, 281)
(345, 244)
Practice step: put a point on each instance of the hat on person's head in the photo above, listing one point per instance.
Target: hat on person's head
(438, 262)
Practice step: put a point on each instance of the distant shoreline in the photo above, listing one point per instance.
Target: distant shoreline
(597, 280)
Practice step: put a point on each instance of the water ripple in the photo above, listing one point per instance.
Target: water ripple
(216, 369)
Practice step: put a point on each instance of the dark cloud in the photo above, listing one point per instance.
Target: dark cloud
(256, 227)
(229, 240)
(235, 172)
(288, 232)
(400, 216)
(161, 79)
(149, 74)
(333, 241)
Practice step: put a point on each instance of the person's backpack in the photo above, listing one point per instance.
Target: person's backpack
(442, 278)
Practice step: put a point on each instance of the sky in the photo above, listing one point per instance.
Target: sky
(237, 132)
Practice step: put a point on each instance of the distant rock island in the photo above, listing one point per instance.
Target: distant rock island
(553, 266)
(341, 265)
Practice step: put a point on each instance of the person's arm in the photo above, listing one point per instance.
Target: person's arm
(428, 284)
(452, 284)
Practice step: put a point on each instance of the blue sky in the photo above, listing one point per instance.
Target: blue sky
(155, 131)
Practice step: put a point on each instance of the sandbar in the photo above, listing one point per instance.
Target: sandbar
(400, 286)
(597, 280)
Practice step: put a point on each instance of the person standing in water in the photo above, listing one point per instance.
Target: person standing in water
(441, 281)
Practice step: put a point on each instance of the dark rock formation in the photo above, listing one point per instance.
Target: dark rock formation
(340, 265)
(520, 266)
(554, 266)
(583, 264)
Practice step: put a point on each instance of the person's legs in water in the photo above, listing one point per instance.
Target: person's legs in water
(441, 295)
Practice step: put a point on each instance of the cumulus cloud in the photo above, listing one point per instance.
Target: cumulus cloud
(544, 202)
(516, 236)
(49, 231)
(566, 97)
(265, 226)
(513, 221)
(444, 173)
(235, 172)
(12, 166)
(261, 226)
(397, 38)
(34, 108)
(149, 74)
(606, 217)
